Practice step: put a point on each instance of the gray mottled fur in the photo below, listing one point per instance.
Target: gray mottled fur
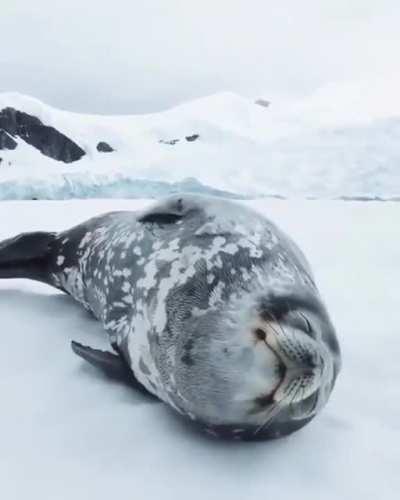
(166, 284)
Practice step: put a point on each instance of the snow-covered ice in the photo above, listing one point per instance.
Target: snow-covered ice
(67, 433)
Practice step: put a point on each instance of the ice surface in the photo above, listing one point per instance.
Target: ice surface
(67, 433)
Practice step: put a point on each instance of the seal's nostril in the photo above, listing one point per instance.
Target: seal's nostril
(309, 361)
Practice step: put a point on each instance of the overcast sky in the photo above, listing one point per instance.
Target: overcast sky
(145, 55)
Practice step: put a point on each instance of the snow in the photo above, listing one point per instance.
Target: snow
(340, 141)
(67, 433)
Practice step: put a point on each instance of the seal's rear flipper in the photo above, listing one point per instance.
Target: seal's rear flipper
(26, 256)
(112, 365)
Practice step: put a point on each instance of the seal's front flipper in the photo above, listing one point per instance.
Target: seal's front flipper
(112, 365)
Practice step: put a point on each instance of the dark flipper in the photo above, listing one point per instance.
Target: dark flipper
(112, 365)
(26, 256)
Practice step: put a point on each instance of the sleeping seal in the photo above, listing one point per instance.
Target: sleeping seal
(207, 304)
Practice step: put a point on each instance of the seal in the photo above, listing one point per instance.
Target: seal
(208, 306)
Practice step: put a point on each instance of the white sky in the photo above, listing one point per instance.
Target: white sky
(144, 55)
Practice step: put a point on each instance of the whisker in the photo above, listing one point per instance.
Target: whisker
(271, 414)
(277, 408)
(282, 332)
(296, 392)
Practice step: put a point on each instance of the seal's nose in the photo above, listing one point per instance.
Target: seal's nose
(309, 361)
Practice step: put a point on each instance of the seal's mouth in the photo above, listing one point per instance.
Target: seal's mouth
(300, 365)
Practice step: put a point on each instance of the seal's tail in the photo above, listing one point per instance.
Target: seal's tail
(27, 256)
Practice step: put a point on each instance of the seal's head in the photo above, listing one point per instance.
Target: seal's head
(260, 368)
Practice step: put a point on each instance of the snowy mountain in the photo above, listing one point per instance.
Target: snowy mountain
(318, 147)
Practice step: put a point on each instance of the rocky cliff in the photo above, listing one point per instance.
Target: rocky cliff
(46, 139)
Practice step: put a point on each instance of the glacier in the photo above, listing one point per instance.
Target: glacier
(85, 185)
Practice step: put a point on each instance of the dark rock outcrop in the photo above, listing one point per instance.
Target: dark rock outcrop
(6, 141)
(104, 147)
(191, 138)
(47, 140)
(262, 102)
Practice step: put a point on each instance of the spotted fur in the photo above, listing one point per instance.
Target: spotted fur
(169, 283)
